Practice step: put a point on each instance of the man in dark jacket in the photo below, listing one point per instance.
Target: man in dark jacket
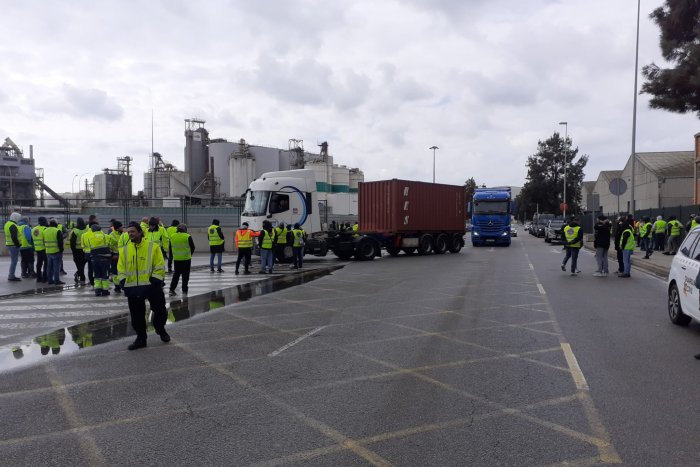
(573, 235)
(617, 233)
(13, 244)
(601, 243)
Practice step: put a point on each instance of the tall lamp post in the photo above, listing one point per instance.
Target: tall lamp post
(634, 114)
(566, 140)
(433, 148)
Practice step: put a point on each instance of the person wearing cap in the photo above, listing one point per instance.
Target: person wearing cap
(115, 237)
(40, 249)
(182, 247)
(244, 245)
(141, 273)
(13, 243)
(53, 242)
(216, 244)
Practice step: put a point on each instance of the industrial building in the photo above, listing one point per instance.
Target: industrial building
(17, 174)
(114, 184)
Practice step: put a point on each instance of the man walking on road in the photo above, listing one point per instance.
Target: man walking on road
(141, 271)
(169, 232)
(12, 242)
(216, 245)
(182, 247)
(601, 243)
(573, 235)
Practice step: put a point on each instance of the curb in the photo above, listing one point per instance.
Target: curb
(654, 269)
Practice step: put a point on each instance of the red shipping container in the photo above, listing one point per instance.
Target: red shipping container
(403, 206)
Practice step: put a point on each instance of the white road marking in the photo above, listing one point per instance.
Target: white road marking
(531, 266)
(295, 342)
(542, 292)
(576, 372)
(492, 249)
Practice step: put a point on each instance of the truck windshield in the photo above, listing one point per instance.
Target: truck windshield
(256, 203)
(491, 207)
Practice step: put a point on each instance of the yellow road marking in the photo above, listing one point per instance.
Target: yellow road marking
(576, 372)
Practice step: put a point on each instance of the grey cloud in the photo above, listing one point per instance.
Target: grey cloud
(83, 103)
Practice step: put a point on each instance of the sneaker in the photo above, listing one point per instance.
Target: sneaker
(578, 271)
(14, 279)
(563, 267)
(138, 344)
(105, 293)
(623, 276)
(219, 271)
(604, 274)
(597, 274)
(212, 271)
(574, 274)
(172, 292)
(262, 272)
(247, 272)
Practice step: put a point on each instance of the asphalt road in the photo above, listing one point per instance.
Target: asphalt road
(488, 357)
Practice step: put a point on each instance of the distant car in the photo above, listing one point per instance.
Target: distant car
(683, 292)
(553, 231)
(513, 231)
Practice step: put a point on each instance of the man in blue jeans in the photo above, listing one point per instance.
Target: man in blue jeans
(13, 243)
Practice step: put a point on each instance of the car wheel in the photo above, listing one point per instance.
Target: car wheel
(675, 311)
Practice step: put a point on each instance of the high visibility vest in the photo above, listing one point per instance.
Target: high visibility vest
(114, 237)
(266, 243)
(154, 236)
(23, 242)
(571, 233)
(298, 237)
(660, 226)
(214, 239)
(38, 237)
(8, 235)
(355, 228)
(170, 231)
(98, 242)
(51, 240)
(83, 241)
(244, 238)
(693, 224)
(281, 235)
(164, 237)
(123, 239)
(630, 241)
(180, 244)
(78, 233)
(144, 227)
(675, 227)
(643, 229)
(138, 263)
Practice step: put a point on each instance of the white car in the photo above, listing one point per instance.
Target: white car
(683, 281)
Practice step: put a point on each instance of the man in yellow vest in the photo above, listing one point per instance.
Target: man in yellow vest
(298, 242)
(115, 237)
(627, 246)
(573, 236)
(141, 272)
(673, 229)
(659, 228)
(244, 245)
(182, 247)
(13, 243)
(216, 244)
(53, 242)
(169, 232)
(76, 246)
(100, 256)
(40, 250)
(26, 248)
(266, 240)
(645, 242)
(280, 242)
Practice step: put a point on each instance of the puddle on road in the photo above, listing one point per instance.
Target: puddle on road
(72, 339)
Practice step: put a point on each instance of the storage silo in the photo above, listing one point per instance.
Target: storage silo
(196, 151)
(220, 152)
(356, 176)
(341, 179)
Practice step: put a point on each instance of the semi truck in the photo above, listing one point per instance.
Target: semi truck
(491, 216)
(394, 215)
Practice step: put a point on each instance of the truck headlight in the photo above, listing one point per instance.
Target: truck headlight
(505, 233)
(476, 234)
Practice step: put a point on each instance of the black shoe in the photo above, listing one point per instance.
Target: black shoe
(697, 357)
(164, 336)
(60, 283)
(184, 291)
(666, 253)
(105, 293)
(14, 279)
(563, 267)
(247, 272)
(623, 276)
(117, 290)
(212, 271)
(236, 273)
(219, 271)
(172, 292)
(63, 273)
(138, 344)
(170, 271)
(25, 276)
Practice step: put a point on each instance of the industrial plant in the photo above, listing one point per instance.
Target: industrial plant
(216, 172)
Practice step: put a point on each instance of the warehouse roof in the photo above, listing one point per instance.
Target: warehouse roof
(668, 164)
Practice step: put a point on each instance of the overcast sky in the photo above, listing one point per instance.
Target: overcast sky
(381, 81)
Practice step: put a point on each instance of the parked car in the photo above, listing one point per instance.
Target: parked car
(683, 283)
(513, 231)
(553, 232)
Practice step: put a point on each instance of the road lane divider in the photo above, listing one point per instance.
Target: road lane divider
(541, 289)
(576, 372)
(295, 341)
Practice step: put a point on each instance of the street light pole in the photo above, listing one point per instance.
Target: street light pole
(634, 114)
(566, 141)
(433, 148)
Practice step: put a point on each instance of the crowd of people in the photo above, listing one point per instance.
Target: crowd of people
(626, 234)
(132, 259)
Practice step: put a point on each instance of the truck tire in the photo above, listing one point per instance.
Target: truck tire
(393, 250)
(440, 246)
(366, 249)
(456, 243)
(409, 251)
(425, 244)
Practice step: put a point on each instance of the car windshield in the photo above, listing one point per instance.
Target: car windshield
(490, 207)
(556, 224)
(256, 203)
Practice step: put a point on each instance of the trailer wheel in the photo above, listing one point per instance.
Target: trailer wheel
(456, 243)
(366, 249)
(393, 250)
(440, 246)
(409, 251)
(425, 244)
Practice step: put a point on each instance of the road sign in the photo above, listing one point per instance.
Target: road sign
(618, 186)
